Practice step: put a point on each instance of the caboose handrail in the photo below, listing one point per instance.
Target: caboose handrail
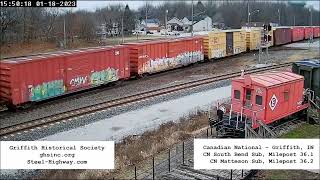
(313, 103)
(266, 128)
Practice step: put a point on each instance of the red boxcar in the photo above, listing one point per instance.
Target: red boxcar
(316, 31)
(282, 35)
(268, 97)
(308, 32)
(35, 78)
(155, 56)
(297, 33)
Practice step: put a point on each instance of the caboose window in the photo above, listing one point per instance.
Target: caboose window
(286, 96)
(258, 100)
(248, 94)
(236, 94)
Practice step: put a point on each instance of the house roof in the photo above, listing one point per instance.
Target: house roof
(196, 18)
(269, 79)
(175, 20)
(156, 21)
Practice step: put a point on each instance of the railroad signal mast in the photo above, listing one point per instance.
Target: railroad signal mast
(266, 37)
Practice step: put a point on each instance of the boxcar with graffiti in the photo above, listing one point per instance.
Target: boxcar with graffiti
(149, 57)
(36, 78)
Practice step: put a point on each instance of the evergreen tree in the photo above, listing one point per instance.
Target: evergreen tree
(128, 20)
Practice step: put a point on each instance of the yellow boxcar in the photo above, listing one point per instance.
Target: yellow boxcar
(215, 44)
(253, 38)
(239, 41)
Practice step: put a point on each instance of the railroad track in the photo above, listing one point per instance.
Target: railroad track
(69, 115)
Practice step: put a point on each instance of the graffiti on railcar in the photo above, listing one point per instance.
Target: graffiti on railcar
(164, 63)
(104, 76)
(46, 90)
(78, 81)
(217, 53)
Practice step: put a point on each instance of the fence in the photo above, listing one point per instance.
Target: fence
(177, 163)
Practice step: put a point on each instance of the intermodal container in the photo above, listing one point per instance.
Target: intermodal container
(308, 32)
(253, 38)
(316, 31)
(154, 56)
(40, 77)
(215, 44)
(297, 33)
(282, 35)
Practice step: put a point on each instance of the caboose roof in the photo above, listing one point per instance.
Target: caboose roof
(269, 79)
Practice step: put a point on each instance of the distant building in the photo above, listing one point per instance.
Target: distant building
(258, 24)
(175, 24)
(104, 30)
(152, 25)
(204, 24)
(218, 25)
(199, 24)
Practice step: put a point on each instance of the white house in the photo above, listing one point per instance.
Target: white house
(203, 25)
(175, 24)
(111, 30)
(199, 24)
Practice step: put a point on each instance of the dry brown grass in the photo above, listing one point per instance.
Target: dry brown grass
(135, 149)
(38, 46)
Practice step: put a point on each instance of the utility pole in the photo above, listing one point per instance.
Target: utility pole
(64, 32)
(294, 20)
(146, 17)
(122, 27)
(248, 13)
(192, 18)
(279, 16)
(310, 17)
(165, 20)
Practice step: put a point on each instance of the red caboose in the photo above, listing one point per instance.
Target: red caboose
(267, 97)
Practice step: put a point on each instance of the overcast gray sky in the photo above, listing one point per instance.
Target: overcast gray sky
(92, 5)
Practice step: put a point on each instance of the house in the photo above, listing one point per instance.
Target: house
(218, 25)
(199, 24)
(152, 25)
(104, 30)
(203, 24)
(175, 24)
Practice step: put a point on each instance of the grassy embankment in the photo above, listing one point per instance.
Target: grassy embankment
(304, 131)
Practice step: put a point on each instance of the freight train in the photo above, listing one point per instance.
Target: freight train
(269, 99)
(40, 77)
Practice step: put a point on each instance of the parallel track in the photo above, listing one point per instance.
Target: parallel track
(67, 115)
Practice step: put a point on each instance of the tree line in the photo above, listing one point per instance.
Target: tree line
(47, 24)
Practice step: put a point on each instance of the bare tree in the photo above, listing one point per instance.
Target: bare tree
(48, 20)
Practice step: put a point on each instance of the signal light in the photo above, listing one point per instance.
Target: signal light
(267, 27)
(267, 38)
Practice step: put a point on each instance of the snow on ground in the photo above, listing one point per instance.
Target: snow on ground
(139, 121)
